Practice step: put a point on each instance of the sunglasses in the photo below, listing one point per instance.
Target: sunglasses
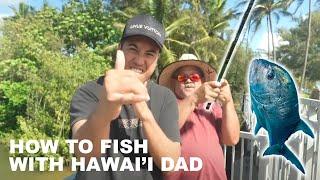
(193, 77)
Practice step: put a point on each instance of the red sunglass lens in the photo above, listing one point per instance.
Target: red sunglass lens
(182, 78)
(194, 77)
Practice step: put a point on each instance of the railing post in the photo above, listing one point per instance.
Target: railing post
(317, 167)
(306, 149)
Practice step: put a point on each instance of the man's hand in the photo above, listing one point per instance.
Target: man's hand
(225, 93)
(123, 86)
(208, 91)
(142, 111)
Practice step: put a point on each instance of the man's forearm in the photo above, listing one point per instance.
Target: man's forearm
(230, 128)
(97, 127)
(158, 143)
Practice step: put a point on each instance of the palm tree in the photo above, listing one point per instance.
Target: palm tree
(196, 26)
(299, 3)
(210, 21)
(159, 9)
(268, 9)
(23, 10)
(307, 48)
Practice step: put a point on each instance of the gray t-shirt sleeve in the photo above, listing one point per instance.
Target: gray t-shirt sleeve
(169, 116)
(83, 102)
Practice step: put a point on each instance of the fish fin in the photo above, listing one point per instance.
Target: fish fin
(305, 128)
(257, 128)
(284, 151)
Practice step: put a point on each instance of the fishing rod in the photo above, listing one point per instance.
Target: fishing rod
(230, 52)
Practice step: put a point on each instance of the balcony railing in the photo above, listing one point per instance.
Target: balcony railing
(245, 160)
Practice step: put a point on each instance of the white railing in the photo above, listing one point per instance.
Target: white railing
(245, 161)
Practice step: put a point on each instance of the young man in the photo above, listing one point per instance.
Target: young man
(124, 104)
(202, 131)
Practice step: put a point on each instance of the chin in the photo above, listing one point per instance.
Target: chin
(187, 93)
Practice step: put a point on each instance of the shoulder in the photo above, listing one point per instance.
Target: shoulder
(162, 99)
(160, 91)
(91, 89)
(94, 84)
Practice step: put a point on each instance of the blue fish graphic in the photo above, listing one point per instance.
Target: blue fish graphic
(274, 100)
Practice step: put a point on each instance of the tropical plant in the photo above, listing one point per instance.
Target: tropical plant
(159, 10)
(295, 50)
(37, 80)
(87, 22)
(23, 10)
(211, 42)
(268, 9)
(299, 3)
(47, 54)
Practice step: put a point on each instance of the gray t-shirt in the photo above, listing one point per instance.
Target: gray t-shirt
(162, 104)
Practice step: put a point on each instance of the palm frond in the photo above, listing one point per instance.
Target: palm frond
(200, 41)
(167, 56)
(122, 13)
(286, 14)
(176, 24)
(221, 25)
(276, 16)
(206, 40)
(178, 42)
(203, 30)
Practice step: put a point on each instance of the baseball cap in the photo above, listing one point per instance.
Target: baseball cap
(145, 25)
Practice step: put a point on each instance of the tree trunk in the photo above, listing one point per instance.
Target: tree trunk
(307, 48)
(268, 37)
(273, 48)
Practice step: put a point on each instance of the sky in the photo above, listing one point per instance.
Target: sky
(258, 42)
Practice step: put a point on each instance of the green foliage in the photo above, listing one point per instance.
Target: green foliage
(237, 73)
(292, 54)
(46, 55)
(13, 98)
(17, 69)
(87, 22)
(38, 79)
(268, 10)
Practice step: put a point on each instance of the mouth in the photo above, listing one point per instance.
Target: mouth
(189, 86)
(137, 70)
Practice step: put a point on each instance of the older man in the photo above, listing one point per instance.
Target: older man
(125, 105)
(202, 131)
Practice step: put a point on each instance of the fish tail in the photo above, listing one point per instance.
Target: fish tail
(284, 151)
(305, 128)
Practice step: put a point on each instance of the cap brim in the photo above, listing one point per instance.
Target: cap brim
(146, 35)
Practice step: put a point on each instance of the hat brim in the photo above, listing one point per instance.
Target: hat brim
(165, 77)
(146, 35)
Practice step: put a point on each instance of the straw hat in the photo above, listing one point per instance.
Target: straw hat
(165, 77)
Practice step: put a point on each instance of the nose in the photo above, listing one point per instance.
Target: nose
(139, 60)
(188, 80)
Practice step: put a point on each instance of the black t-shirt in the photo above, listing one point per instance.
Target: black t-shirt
(162, 104)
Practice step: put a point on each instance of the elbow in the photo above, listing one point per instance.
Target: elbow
(232, 140)
(173, 153)
(181, 124)
(176, 153)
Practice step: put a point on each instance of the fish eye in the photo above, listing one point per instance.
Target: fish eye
(270, 74)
